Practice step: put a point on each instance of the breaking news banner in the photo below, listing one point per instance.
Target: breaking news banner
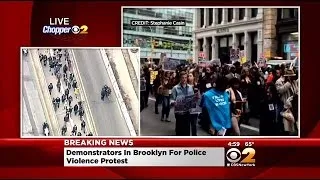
(106, 152)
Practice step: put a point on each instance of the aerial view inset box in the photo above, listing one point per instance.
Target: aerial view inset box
(79, 92)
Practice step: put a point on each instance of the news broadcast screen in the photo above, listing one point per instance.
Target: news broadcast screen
(159, 89)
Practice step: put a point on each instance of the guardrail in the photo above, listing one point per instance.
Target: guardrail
(120, 100)
(82, 94)
(131, 71)
(44, 95)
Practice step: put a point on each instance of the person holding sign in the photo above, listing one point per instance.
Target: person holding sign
(179, 92)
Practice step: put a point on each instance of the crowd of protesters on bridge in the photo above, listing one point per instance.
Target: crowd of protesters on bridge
(229, 95)
(61, 69)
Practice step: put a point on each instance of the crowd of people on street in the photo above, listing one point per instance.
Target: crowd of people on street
(62, 71)
(229, 95)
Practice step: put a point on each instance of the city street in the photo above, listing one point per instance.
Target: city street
(151, 125)
(106, 114)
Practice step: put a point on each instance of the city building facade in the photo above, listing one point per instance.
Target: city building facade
(257, 32)
(220, 29)
(288, 32)
(281, 32)
(154, 41)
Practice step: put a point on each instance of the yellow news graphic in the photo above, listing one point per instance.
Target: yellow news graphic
(245, 157)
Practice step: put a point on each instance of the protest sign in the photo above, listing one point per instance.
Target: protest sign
(171, 64)
(243, 58)
(153, 75)
(216, 62)
(234, 55)
(203, 63)
(186, 104)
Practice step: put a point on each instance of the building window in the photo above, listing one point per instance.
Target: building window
(230, 14)
(147, 12)
(254, 12)
(210, 16)
(242, 12)
(288, 13)
(127, 25)
(219, 15)
(201, 17)
(130, 10)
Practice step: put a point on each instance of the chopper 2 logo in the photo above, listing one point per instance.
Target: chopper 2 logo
(58, 26)
(245, 157)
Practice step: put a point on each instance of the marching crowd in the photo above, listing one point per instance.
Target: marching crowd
(228, 96)
(62, 72)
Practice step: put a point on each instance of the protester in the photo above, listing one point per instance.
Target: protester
(255, 92)
(142, 91)
(217, 102)
(244, 89)
(156, 85)
(193, 115)
(236, 104)
(269, 108)
(146, 72)
(232, 73)
(182, 118)
(286, 86)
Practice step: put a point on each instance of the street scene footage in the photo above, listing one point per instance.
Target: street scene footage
(80, 92)
(230, 71)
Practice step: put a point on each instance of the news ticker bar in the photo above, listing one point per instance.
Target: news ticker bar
(236, 152)
(144, 157)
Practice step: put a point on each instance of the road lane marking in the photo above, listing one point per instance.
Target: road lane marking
(242, 125)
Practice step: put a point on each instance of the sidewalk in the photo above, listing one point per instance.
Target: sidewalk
(32, 110)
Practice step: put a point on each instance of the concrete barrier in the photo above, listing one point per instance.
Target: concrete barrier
(44, 94)
(120, 101)
(82, 95)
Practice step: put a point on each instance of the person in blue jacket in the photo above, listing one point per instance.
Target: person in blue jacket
(217, 103)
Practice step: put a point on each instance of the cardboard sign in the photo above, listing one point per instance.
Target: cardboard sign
(171, 64)
(234, 54)
(153, 75)
(185, 103)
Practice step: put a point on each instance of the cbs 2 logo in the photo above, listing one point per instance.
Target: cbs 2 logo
(234, 155)
(80, 30)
